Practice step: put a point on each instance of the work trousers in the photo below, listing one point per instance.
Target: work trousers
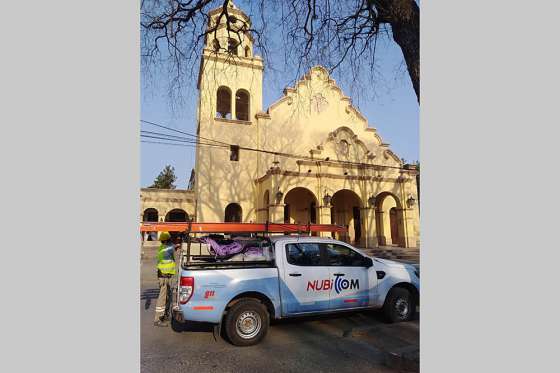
(164, 298)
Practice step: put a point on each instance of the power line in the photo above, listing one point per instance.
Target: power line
(175, 138)
(180, 138)
(188, 141)
(185, 133)
(281, 154)
(174, 144)
(164, 134)
(168, 143)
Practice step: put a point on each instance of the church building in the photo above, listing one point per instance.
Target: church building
(309, 157)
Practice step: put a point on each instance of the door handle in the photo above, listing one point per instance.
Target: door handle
(339, 274)
(295, 274)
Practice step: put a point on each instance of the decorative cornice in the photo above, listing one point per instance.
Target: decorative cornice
(252, 62)
(177, 200)
(262, 115)
(233, 121)
(328, 176)
(389, 153)
(155, 190)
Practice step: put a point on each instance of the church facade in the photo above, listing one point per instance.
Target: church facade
(309, 157)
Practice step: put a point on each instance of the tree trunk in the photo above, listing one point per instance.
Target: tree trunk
(404, 18)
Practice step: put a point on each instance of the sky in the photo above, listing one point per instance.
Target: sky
(389, 103)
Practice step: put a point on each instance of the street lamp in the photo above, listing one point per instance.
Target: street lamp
(371, 201)
(279, 196)
(327, 200)
(411, 201)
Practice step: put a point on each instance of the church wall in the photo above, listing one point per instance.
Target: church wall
(313, 119)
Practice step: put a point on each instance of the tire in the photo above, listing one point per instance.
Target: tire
(399, 306)
(246, 322)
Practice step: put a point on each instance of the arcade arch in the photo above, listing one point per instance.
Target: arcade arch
(389, 220)
(346, 210)
(150, 215)
(176, 215)
(300, 206)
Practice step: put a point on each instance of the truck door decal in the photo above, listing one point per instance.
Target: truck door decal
(339, 284)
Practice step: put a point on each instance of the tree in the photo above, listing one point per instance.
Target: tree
(165, 179)
(339, 34)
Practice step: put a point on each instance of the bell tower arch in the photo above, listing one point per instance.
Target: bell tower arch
(228, 63)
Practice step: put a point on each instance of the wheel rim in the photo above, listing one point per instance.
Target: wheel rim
(402, 307)
(248, 324)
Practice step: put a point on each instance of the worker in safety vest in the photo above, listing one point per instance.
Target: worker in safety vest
(165, 272)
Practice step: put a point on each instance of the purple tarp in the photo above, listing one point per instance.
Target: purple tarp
(220, 249)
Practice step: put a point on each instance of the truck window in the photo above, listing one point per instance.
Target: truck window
(343, 256)
(304, 254)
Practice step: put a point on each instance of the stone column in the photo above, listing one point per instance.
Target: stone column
(276, 213)
(402, 228)
(324, 216)
(409, 230)
(381, 217)
(369, 233)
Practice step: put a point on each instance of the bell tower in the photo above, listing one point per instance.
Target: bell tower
(230, 95)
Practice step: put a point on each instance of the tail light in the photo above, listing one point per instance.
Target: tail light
(186, 289)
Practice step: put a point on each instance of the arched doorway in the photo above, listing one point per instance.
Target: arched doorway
(150, 215)
(389, 220)
(346, 211)
(176, 215)
(300, 206)
(233, 213)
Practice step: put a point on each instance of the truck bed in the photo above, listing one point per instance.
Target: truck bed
(194, 266)
(201, 259)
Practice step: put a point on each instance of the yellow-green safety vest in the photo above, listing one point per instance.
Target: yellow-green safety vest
(166, 259)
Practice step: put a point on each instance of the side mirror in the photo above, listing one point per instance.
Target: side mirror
(368, 262)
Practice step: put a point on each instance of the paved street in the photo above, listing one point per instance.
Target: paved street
(348, 342)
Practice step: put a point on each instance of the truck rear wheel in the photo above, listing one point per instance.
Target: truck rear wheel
(399, 305)
(246, 322)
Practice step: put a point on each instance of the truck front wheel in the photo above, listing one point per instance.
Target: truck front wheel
(246, 322)
(399, 305)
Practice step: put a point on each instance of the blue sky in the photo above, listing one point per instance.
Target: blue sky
(389, 104)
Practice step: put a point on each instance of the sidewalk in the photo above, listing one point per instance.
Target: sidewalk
(408, 255)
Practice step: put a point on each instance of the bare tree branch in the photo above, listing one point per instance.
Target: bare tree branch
(341, 35)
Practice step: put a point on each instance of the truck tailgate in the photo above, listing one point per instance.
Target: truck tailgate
(214, 289)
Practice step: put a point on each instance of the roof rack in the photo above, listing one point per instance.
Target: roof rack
(191, 227)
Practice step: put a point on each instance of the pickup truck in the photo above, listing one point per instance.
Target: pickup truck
(304, 275)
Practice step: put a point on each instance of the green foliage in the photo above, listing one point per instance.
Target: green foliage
(165, 179)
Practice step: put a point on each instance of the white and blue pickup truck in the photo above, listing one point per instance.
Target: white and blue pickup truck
(303, 275)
